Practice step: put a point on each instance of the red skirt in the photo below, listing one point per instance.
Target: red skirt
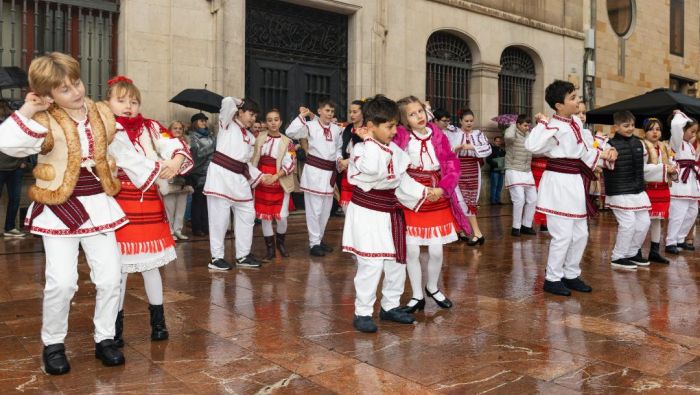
(469, 182)
(148, 230)
(345, 190)
(538, 165)
(268, 198)
(660, 197)
(433, 219)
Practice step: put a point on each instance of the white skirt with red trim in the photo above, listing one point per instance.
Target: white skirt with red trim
(516, 178)
(367, 233)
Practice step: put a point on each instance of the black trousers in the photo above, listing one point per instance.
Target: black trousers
(200, 217)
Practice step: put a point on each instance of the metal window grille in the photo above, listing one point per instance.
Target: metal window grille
(515, 82)
(449, 63)
(84, 29)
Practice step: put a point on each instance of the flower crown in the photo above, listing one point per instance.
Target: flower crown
(119, 78)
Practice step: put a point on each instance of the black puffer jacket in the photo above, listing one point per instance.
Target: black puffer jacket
(628, 175)
(202, 148)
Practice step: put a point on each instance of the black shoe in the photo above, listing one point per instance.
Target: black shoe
(281, 247)
(119, 329)
(543, 228)
(526, 230)
(107, 352)
(655, 256)
(364, 323)
(445, 304)
(219, 264)
(158, 329)
(576, 284)
(317, 250)
(55, 361)
(686, 246)
(397, 315)
(639, 260)
(556, 288)
(420, 305)
(270, 246)
(326, 247)
(672, 249)
(476, 240)
(515, 232)
(248, 261)
(624, 263)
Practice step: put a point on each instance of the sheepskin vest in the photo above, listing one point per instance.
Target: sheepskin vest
(286, 182)
(58, 164)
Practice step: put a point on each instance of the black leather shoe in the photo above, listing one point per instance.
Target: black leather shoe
(420, 305)
(556, 288)
(515, 232)
(326, 247)
(686, 246)
(397, 315)
(55, 361)
(317, 250)
(364, 323)
(655, 256)
(107, 352)
(623, 263)
(445, 304)
(526, 230)
(672, 249)
(576, 284)
(639, 260)
(476, 240)
(158, 329)
(119, 329)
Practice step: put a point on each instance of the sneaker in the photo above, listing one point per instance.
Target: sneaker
(248, 261)
(576, 284)
(14, 233)
(639, 260)
(317, 250)
(527, 230)
(672, 249)
(397, 315)
(624, 263)
(683, 245)
(364, 323)
(556, 288)
(219, 264)
(180, 236)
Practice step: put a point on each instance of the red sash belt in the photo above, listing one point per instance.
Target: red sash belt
(575, 166)
(72, 213)
(323, 164)
(385, 201)
(231, 164)
(268, 161)
(687, 166)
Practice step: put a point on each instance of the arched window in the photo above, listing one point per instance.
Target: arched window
(448, 71)
(515, 82)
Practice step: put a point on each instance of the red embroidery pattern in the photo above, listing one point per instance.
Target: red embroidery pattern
(25, 128)
(316, 192)
(66, 232)
(385, 255)
(151, 178)
(639, 208)
(91, 143)
(221, 195)
(560, 213)
(520, 184)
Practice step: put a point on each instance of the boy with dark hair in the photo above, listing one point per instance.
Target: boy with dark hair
(626, 193)
(563, 194)
(519, 179)
(323, 162)
(375, 231)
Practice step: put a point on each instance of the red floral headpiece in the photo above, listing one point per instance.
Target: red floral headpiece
(119, 78)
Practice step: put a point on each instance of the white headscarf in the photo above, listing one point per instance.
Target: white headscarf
(229, 107)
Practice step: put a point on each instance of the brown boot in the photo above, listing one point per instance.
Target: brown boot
(270, 244)
(280, 245)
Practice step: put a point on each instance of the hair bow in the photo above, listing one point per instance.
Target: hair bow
(119, 78)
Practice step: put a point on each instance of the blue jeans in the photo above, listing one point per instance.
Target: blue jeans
(496, 186)
(13, 180)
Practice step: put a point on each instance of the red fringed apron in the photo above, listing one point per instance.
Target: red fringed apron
(660, 198)
(148, 231)
(470, 170)
(434, 219)
(345, 190)
(538, 165)
(268, 198)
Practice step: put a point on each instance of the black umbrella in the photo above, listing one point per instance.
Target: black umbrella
(13, 77)
(201, 99)
(658, 103)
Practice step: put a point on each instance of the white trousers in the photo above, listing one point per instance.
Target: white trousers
(219, 220)
(318, 210)
(524, 199)
(681, 217)
(369, 272)
(102, 254)
(569, 238)
(632, 228)
(175, 205)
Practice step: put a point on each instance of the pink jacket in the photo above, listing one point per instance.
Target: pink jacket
(449, 169)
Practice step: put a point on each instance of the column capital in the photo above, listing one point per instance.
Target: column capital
(486, 70)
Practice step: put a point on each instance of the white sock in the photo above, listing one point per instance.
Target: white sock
(434, 268)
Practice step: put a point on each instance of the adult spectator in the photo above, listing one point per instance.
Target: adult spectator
(496, 162)
(202, 146)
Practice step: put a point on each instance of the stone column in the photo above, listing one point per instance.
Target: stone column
(484, 93)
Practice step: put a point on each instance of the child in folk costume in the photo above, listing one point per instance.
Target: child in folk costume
(230, 182)
(433, 164)
(176, 191)
(79, 148)
(374, 229)
(350, 138)
(321, 169)
(626, 195)
(659, 171)
(145, 242)
(274, 155)
(563, 194)
(538, 166)
(519, 180)
(471, 146)
(684, 191)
